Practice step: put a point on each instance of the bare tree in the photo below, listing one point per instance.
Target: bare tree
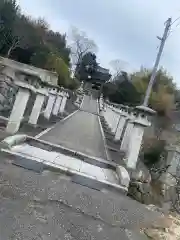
(12, 41)
(175, 192)
(80, 44)
(15, 43)
(117, 66)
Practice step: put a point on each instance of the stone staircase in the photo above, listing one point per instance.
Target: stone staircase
(112, 145)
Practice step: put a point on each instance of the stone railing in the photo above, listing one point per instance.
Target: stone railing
(12, 68)
(28, 103)
(127, 126)
(27, 92)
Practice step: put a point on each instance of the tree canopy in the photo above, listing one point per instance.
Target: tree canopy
(31, 41)
(86, 66)
(80, 45)
(162, 97)
(131, 90)
(121, 90)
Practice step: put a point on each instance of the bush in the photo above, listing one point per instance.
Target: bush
(152, 150)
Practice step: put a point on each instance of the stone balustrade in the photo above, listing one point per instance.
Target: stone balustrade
(123, 116)
(55, 105)
(140, 122)
(27, 92)
(79, 96)
(17, 70)
(128, 130)
(127, 126)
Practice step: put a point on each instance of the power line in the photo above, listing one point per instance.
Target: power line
(175, 20)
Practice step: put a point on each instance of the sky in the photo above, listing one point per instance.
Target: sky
(122, 29)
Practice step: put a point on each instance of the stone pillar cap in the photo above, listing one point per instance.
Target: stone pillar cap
(144, 109)
(142, 122)
(117, 110)
(52, 92)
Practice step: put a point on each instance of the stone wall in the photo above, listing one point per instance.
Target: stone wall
(44, 75)
(7, 95)
(159, 185)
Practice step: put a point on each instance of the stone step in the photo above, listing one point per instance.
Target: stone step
(105, 125)
(109, 135)
(103, 121)
(113, 144)
(93, 173)
(66, 151)
(117, 157)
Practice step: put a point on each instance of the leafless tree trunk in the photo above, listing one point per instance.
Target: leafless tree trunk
(175, 198)
(80, 45)
(14, 45)
(118, 66)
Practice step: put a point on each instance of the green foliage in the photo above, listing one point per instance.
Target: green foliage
(163, 91)
(31, 41)
(57, 64)
(153, 148)
(81, 44)
(58, 42)
(86, 67)
(32, 34)
(40, 57)
(121, 90)
(74, 84)
(8, 12)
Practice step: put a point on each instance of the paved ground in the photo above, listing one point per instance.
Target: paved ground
(81, 132)
(90, 105)
(49, 207)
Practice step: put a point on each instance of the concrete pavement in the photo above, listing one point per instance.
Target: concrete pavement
(81, 132)
(49, 206)
(89, 105)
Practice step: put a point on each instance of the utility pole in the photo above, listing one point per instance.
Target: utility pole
(154, 71)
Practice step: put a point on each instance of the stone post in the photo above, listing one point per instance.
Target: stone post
(111, 118)
(57, 104)
(115, 119)
(10, 72)
(50, 104)
(78, 100)
(136, 136)
(127, 133)
(63, 103)
(37, 106)
(19, 107)
(101, 103)
(121, 124)
(107, 115)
